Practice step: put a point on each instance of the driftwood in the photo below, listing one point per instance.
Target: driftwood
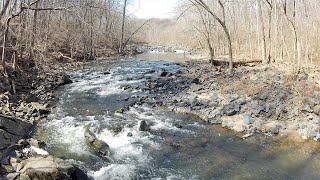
(235, 64)
(66, 57)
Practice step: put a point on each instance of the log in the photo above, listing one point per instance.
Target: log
(66, 57)
(235, 64)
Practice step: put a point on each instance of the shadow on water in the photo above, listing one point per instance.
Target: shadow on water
(179, 146)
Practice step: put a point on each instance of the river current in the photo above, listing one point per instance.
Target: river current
(179, 146)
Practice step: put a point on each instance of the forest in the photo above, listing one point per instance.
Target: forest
(213, 89)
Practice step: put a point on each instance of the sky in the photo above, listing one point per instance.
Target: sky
(153, 8)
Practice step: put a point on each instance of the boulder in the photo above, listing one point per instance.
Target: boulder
(48, 168)
(11, 131)
(98, 146)
(144, 126)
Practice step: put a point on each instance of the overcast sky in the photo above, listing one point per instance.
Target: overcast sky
(153, 8)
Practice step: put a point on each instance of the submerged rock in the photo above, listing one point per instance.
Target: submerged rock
(163, 73)
(99, 146)
(144, 126)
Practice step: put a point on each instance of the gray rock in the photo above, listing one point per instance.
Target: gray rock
(248, 120)
(163, 73)
(307, 108)
(316, 110)
(98, 146)
(13, 176)
(64, 80)
(215, 120)
(144, 126)
(11, 130)
(129, 134)
(231, 109)
(49, 168)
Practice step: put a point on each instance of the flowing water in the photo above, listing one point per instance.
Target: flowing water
(193, 151)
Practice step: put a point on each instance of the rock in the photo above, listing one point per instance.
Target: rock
(272, 128)
(231, 109)
(49, 168)
(144, 126)
(163, 73)
(13, 176)
(64, 80)
(307, 108)
(122, 110)
(177, 145)
(11, 131)
(248, 120)
(129, 134)
(239, 128)
(215, 120)
(151, 72)
(36, 143)
(177, 124)
(42, 109)
(316, 110)
(31, 98)
(196, 81)
(99, 146)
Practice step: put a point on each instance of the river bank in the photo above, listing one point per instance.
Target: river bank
(256, 99)
(27, 96)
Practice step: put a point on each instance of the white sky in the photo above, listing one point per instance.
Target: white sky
(153, 8)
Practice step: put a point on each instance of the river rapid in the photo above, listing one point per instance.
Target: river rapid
(179, 146)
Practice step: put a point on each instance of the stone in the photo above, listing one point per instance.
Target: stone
(177, 124)
(64, 79)
(307, 108)
(316, 110)
(122, 110)
(129, 134)
(248, 120)
(42, 109)
(36, 143)
(49, 168)
(215, 120)
(177, 145)
(196, 81)
(231, 109)
(144, 126)
(98, 146)
(11, 131)
(13, 176)
(163, 73)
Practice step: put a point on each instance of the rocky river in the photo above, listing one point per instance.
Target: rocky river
(128, 104)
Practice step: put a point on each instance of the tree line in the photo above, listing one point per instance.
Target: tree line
(31, 30)
(273, 31)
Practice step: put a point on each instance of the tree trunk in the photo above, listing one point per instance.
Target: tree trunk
(121, 48)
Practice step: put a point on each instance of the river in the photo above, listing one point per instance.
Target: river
(179, 146)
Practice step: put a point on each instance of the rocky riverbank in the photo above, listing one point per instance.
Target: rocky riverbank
(252, 100)
(26, 97)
